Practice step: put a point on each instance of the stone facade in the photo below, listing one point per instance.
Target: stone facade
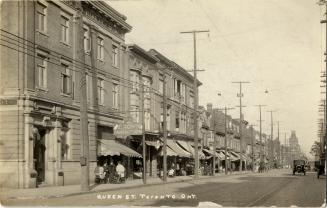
(40, 87)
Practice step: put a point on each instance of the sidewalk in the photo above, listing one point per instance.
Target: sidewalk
(70, 190)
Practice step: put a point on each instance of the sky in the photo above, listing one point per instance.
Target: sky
(276, 45)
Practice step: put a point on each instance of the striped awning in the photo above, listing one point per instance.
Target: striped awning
(188, 147)
(170, 152)
(110, 147)
(180, 151)
(212, 153)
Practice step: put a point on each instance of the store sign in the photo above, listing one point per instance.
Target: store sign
(128, 128)
(8, 102)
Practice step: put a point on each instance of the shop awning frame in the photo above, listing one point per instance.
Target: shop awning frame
(187, 146)
(111, 147)
(180, 151)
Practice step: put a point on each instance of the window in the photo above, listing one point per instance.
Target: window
(191, 101)
(64, 22)
(41, 10)
(161, 85)
(183, 122)
(115, 95)
(66, 80)
(135, 79)
(167, 118)
(88, 87)
(146, 83)
(177, 121)
(115, 55)
(87, 45)
(135, 113)
(100, 86)
(183, 93)
(147, 120)
(100, 48)
(42, 71)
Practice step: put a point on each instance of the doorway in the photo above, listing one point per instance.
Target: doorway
(39, 155)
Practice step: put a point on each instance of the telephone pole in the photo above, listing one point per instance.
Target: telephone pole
(272, 148)
(241, 120)
(84, 159)
(143, 133)
(225, 142)
(252, 146)
(324, 155)
(164, 130)
(195, 83)
(278, 146)
(260, 136)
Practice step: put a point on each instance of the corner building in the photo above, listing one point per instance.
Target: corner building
(40, 87)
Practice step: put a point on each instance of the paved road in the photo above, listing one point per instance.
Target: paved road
(277, 187)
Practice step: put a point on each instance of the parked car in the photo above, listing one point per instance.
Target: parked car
(299, 166)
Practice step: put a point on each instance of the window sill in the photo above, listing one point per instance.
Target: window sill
(115, 67)
(42, 89)
(101, 60)
(43, 33)
(66, 44)
(65, 95)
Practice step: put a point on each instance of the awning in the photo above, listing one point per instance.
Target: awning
(222, 153)
(180, 151)
(212, 153)
(187, 146)
(155, 144)
(234, 155)
(110, 147)
(170, 152)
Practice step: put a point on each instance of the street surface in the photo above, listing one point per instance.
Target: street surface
(277, 187)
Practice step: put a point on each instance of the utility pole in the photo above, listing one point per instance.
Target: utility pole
(195, 83)
(252, 146)
(241, 121)
(164, 130)
(278, 145)
(225, 142)
(143, 133)
(84, 159)
(261, 150)
(324, 2)
(271, 149)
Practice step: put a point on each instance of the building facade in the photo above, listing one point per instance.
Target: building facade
(40, 90)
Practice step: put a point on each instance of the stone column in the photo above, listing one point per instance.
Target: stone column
(30, 136)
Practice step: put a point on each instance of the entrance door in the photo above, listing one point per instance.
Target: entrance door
(39, 155)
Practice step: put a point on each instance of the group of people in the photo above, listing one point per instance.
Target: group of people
(110, 173)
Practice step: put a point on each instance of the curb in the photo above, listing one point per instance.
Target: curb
(120, 188)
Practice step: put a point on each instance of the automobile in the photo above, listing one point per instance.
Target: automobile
(299, 166)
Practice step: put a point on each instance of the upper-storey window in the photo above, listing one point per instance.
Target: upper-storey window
(64, 22)
(100, 91)
(87, 45)
(115, 56)
(135, 80)
(191, 100)
(100, 48)
(41, 11)
(41, 71)
(161, 84)
(115, 95)
(66, 80)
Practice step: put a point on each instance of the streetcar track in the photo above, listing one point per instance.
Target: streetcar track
(265, 196)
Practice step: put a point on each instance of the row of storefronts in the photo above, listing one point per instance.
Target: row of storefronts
(40, 122)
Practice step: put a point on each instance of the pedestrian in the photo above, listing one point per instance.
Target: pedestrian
(120, 169)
